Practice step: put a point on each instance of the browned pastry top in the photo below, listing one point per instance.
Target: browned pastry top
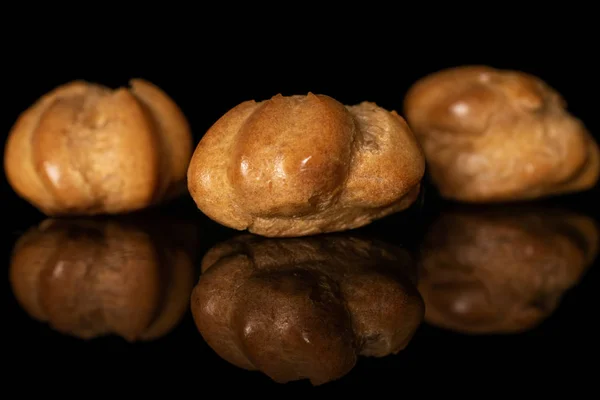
(305, 308)
(502, 270)
(300, 165)
(90, 278)
(86, 149)
(497, 135)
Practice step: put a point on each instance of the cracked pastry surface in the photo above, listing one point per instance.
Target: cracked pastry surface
(301, 165)
(306, 308)
(85, 149)
(493, 135)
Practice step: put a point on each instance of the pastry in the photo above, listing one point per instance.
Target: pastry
(305, 164)
(493, 135)
(84, 149)
(306, 308)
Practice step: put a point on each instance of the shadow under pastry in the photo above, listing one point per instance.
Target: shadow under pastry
(130, 277)
(501, 270)
(306, 308)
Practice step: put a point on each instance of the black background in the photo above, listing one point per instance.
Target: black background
(207, 71)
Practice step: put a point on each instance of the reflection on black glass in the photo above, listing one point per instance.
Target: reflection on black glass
(502, 269)
(90, 278)
(306, 308)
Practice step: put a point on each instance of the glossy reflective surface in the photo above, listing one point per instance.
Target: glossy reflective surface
(306, 308)
(87, 278)
(486, 270)
(481, 291)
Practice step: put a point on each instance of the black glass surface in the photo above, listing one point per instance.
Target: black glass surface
(508, 291)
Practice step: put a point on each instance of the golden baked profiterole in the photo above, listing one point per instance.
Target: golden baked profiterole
(494, 135)
(85, 149)
(305, 164)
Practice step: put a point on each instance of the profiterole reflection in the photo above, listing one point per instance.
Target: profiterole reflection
(306, 308)
(130, 277)
(499, 269)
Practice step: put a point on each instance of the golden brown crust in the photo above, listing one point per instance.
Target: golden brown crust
(176, 145)
(499, 135)
(90, 278)
(306, 308)
(502, 270)
(84, 149)
(301, 165)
